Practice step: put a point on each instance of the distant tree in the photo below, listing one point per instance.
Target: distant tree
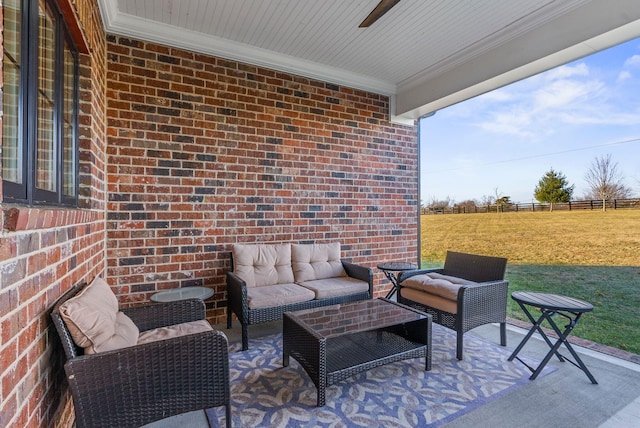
(553, 187)
(497, 193)
(502, 201)
(468, 206)
(487, 200)
(605, 181)
(439, 204)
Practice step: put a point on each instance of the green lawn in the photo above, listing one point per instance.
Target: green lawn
(590, 255)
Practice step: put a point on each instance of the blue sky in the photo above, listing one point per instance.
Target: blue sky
(507, 139)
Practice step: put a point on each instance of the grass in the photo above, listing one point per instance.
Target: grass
(590, 255)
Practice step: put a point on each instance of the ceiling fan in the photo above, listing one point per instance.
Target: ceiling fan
(382, 8)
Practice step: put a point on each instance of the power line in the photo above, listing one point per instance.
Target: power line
(536, 156)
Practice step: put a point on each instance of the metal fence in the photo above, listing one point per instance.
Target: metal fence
(534, 207)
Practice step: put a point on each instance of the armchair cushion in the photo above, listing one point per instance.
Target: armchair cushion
(316, 261)
(269, 296)
(445, 286)
(263, 264)
(175, 330)
(94, 321)
(430, 300)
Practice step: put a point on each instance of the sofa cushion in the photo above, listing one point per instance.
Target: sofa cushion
(335, 287)
(269, 296)
(316, 261)
(175, 330)
(438, 284)
(94, 321)
(263, 264)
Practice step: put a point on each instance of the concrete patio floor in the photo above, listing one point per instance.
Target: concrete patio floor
(562, 398)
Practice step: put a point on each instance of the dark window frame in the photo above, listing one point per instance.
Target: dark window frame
(27, 191)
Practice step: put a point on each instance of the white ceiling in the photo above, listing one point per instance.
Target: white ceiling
(425, 54)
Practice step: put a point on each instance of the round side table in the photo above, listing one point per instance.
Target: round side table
(389, 269)
(172, 295)
(551, 305)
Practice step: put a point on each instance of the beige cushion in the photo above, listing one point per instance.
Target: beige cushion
(176, 330)
(269, 296)
(94, 322)
(316, 261)
(334, 287)
(263, 264)
(435, 283)
(430, 300)
(125, 333)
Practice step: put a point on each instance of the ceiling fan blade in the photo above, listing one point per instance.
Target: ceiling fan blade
(382, 8)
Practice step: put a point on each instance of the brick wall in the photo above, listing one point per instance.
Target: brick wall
(45, 251)
(204, 152)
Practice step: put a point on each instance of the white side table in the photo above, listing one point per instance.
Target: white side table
(174, 294)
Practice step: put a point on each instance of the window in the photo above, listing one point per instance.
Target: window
(40, 103)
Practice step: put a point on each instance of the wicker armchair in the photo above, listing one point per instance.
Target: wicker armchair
(136, 385)
(483, 302)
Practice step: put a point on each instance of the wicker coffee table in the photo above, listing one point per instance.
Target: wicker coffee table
(333, 343)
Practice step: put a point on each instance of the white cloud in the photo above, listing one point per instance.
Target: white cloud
(566, 71)
(539, 107)
(498, 95)
(510, 123)
(632, 61)
(624, 75)
(540, 110)
(564, 92)
(602, 117)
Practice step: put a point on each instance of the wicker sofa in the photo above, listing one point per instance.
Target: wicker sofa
(130, 367)
(267, 280)
(467, 292)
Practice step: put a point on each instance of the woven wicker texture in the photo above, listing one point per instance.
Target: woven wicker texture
(237, 301)
(133, 386)
(328, 360)
(479, 304)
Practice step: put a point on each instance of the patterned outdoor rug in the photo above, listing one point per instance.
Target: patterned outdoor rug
(402, 394)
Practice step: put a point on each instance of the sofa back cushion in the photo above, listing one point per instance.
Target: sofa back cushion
(94, 322)
(316, 261)
(262, 264)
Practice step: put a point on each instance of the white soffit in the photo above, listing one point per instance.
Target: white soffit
(424, 54)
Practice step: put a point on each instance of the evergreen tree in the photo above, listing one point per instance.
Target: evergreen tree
(553, 187)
